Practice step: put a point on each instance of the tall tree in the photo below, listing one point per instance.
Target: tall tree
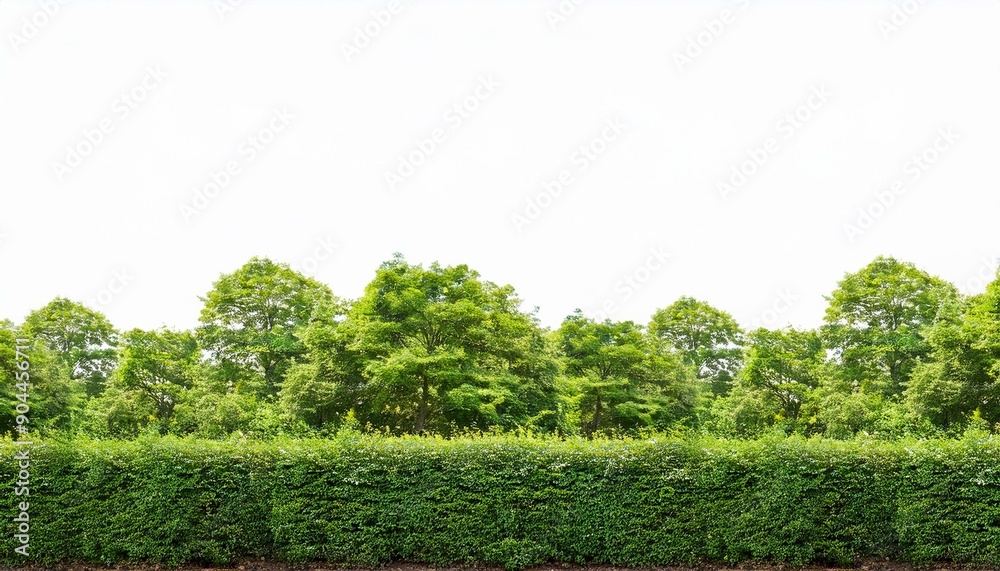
(83, 339)
(961, 375)
(625, 379)
(785, 364)
(875, 319)
(709, 339)
(251, 320)
(443, 349)
(54, 400)
(159, 365)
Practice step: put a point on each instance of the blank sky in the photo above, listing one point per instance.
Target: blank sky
(642, 107)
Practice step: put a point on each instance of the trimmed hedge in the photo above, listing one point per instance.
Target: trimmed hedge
(509, 501)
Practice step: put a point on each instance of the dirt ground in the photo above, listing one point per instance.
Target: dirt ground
(273, 566)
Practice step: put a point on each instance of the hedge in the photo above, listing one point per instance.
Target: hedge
(513, 501)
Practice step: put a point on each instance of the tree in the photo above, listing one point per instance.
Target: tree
(251, 320)
(84, 340)
(960, 377)
(54, 401)
(625, 380)
(326, 384)
(159, 365)
(786, 364)
(875, 319)
(709, 339)
(442, 349)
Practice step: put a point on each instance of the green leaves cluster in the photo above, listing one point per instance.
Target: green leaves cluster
(440, 350)
(511, 501)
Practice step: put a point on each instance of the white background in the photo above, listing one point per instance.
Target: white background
(768, 253)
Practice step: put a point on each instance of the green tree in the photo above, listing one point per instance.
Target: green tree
(251, 321)
(442, 349)
(327, 383)
(625, 379)
(960, 378)
(709, 339)
(786, 365)
(83, 339)
(54, 401)
(875, 319)
(160, 365)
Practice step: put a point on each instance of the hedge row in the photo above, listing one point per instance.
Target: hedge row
(509, 501)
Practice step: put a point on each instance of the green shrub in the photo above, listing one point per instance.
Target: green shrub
(514, 501)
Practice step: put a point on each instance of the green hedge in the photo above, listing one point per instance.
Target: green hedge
(510, 501)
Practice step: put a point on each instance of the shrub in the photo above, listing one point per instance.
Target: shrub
(514, 501)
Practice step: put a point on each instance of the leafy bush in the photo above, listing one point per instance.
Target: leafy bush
(515, 501)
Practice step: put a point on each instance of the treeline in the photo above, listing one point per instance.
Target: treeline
(439, 350)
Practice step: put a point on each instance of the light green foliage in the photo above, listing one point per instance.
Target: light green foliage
(875, 319)
(250, 322)
(960, 375)
(709, 339)
(436, 349)
(625, 379)
(84, 340)
(155, 370)
(55, 401)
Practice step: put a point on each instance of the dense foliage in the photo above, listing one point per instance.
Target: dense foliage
(439, 350)
(510, 500)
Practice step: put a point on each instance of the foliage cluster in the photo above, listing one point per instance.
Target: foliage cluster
(511, 500)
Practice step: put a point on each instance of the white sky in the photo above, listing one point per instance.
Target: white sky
(778, 237)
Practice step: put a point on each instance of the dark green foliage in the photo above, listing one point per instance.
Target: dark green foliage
(513, 501)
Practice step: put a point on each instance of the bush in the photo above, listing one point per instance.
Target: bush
(514, 501)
